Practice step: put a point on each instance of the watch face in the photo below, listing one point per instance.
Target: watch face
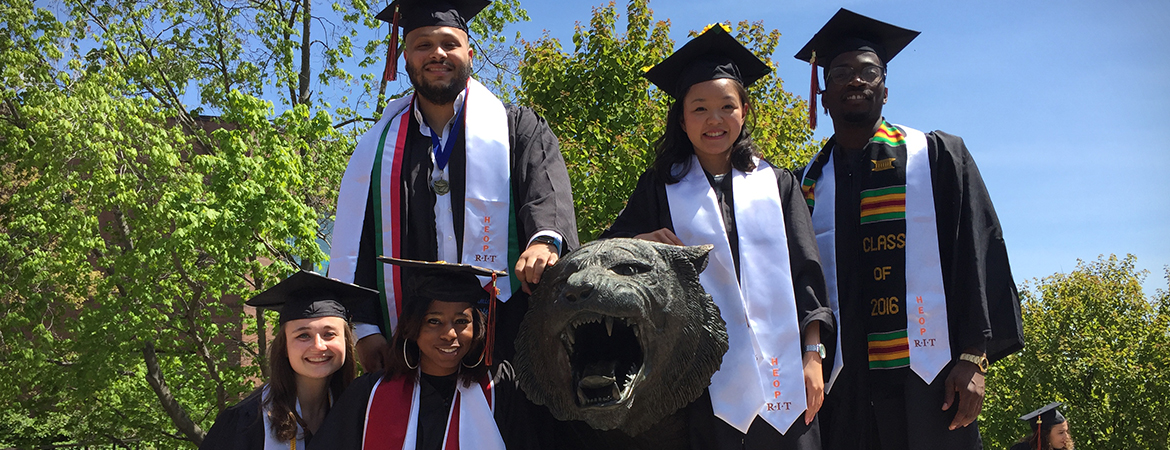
(821, 350)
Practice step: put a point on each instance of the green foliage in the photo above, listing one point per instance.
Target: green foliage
(1096, 343)
(607, 118)
(135, 224)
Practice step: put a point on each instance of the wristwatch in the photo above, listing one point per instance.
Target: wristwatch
(546, 239)
(819, 349)
(979, 360)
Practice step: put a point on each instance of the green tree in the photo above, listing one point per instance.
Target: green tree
(1096, 343)
(607, 117)
(135, 221)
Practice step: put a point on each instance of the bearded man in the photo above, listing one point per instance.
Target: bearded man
(449, 174)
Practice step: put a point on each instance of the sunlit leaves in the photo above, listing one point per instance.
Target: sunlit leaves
(1096, 343)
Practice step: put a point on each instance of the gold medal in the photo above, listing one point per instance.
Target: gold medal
(441, 187)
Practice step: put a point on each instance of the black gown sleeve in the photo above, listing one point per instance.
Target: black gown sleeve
(808, 279)
(344, 425)
(645, 211)
(540, 181)
(239, 427)
(982, 302)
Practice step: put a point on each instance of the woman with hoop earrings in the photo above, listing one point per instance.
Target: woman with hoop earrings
(440, 389)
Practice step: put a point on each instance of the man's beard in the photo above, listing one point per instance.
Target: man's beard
(437, 93)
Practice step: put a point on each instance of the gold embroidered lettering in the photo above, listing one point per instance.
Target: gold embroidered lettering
(884, 306)
(882, 164)
(880, 273)
(883, 242)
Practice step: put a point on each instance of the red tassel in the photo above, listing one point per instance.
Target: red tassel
(391, 72)
(1039, 439)
(491, 321)
(815, 88)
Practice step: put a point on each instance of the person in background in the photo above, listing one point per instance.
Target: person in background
(709, 185)
(915, 262)
(310, 362)
(1049, 430)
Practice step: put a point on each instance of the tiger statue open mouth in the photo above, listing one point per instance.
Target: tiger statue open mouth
(620, 334)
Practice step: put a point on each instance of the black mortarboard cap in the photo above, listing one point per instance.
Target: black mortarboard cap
(309, 295)
(1046, 416)
(449, 282)
(712, 55)
(413, 14)
(443, 281)
(849, 31)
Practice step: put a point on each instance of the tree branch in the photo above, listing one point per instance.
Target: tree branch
(176, 412)
(303, 90)
(355, 119)
(196, 333)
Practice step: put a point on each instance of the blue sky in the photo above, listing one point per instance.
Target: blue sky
(1062, 104)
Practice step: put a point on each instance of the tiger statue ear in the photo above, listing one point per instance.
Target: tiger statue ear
(697, 255)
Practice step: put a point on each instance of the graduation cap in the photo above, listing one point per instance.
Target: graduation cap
(845, 32)
(415, 14)
(309, 295)
(1047, 416)
(426, 281)
(712, 55)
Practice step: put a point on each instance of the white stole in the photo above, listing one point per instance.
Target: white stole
(926, 306)
(270, 440)
(762, 372)
(487, 194)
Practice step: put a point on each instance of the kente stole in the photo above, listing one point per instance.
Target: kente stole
(489, 236)
(762, 373)
(900, 279)
(392, 416)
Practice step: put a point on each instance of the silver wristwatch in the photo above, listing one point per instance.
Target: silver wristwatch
(819, 349)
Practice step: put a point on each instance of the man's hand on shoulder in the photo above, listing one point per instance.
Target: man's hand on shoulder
(532, 263)
(373, 353)
(966, 382)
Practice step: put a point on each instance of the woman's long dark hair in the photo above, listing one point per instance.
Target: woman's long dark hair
(281, 403)
(406, 334)
(674, 147)
(1042, 436)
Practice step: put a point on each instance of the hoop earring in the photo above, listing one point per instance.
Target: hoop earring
(406, 359)
(477, 363)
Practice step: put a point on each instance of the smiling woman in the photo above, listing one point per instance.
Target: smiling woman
(311, 362)
(709, 186)
(441, 388)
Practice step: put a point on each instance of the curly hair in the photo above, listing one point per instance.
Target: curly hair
(406, 335)
(281, 402)
(674, 147)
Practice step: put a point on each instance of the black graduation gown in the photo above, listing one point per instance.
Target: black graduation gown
(343, 428)
(542, 200)
(648, 210)
(983, 308)
(240, 427)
